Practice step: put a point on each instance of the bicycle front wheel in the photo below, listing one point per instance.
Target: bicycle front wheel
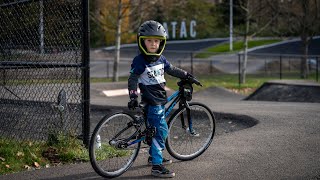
(188, 139)
(107, 159)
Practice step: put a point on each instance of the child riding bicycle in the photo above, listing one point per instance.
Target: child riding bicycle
(147, 71)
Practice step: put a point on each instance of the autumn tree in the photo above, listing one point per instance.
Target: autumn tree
(113, 17)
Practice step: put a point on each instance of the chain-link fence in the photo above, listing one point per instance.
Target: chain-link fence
(44, 68)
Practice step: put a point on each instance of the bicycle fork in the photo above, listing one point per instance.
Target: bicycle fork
(190, 127)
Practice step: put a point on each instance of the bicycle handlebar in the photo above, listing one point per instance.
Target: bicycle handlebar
(195, 81)
(189, 79)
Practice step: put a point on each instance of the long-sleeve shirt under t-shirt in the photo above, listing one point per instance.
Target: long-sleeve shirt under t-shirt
(150, 77)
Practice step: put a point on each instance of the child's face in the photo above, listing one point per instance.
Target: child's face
(152, 44)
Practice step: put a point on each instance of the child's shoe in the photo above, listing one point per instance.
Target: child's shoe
(161, 171)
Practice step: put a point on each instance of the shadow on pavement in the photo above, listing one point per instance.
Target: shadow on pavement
(225, 122)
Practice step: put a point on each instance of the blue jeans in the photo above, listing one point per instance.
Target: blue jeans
(156, 118)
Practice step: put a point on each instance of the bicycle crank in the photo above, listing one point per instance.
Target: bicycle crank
(118, 144)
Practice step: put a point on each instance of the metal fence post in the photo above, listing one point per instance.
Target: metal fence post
(239, 69)
(280, 66)
(191, 63)
(4, 77)
(107, 68)
(289, 64)
(265, 66)
(86, 72)
(317, 69)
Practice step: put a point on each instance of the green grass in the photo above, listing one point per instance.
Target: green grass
(224, 80)
(16, 156)
(237, 46)
(106, 151)
(99, 80)
(231, 82)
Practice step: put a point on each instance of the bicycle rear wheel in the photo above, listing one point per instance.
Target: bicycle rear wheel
(183, 144)
(106, 159)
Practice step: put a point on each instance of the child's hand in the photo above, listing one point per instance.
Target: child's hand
(193, 79)
(133, 103)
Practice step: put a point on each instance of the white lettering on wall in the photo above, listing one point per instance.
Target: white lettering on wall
(183, 29)
(173, 24)
(193, 33)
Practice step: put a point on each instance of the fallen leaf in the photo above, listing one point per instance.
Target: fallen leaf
(27, 167)
(19, 154)
(36, 164)
(2, 159)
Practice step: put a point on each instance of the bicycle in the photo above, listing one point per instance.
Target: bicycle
(116, 140)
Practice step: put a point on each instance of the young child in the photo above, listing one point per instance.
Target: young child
(147, 70)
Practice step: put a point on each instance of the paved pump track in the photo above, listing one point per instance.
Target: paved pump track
(287, 91)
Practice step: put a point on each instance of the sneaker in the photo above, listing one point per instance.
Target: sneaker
(164, 161)
(161, 171)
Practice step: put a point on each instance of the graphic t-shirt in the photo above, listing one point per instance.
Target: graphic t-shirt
(151, 79)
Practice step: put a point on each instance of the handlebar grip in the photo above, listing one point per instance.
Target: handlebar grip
(194, 80)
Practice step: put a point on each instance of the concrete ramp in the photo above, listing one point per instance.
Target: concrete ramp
(287, 91)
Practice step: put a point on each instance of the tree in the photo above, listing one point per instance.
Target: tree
(258, 16)
(113, 17)
(300, 17)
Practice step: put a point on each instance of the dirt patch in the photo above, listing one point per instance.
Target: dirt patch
(287, 91)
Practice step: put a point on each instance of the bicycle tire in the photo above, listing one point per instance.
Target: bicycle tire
(106, 160)
(180, 143)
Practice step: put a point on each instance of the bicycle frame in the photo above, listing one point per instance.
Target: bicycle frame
(174, 99)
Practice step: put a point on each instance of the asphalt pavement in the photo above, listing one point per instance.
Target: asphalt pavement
(285, 144)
